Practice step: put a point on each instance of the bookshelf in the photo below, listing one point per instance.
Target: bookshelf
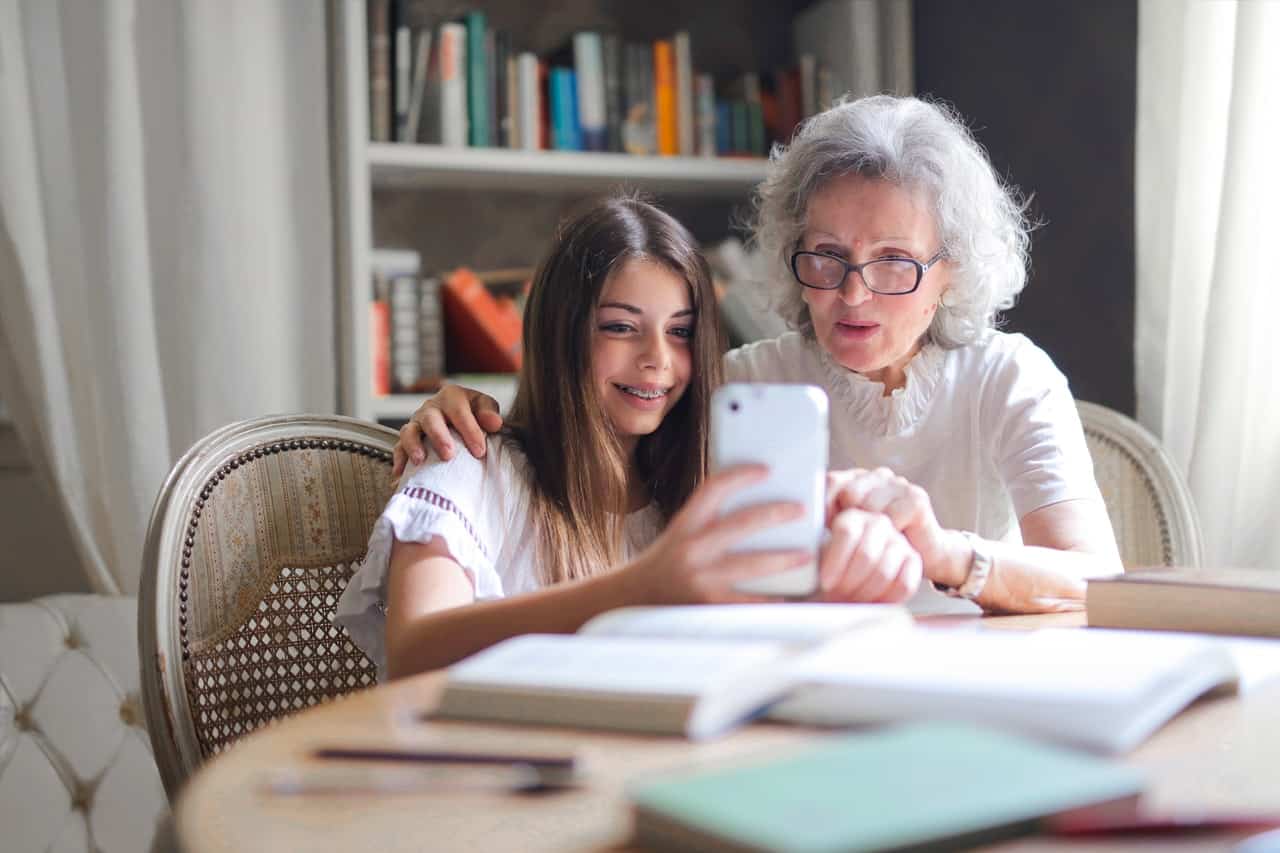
(362, 168)
(400, 166)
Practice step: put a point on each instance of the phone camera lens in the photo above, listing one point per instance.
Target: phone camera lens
(733, 407)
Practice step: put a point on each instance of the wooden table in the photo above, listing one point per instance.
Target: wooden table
(1220, 754)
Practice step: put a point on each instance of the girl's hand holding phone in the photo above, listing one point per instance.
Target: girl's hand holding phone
(693, 561)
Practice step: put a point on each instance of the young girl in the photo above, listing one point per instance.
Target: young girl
(605, 444)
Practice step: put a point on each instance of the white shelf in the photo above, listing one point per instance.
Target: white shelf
(401, 166)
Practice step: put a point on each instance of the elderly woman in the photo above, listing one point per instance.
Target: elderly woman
(896, 247)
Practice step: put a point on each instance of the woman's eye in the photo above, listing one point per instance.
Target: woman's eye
(616, 328)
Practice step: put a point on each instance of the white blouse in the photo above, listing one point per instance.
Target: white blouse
(989, 430)
(480, 509)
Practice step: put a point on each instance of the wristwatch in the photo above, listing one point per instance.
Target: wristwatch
(979, 570)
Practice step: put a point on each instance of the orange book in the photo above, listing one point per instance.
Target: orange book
(664, 97)
(380, 347)
(483, 330)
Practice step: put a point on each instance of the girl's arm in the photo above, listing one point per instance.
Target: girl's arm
(433, 619)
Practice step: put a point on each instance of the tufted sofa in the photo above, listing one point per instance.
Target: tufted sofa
(76, 768)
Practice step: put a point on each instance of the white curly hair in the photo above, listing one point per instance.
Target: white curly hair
(921, 146)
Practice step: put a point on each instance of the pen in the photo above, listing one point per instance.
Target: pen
(563, 763)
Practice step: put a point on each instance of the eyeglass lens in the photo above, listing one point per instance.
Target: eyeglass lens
(884, 276)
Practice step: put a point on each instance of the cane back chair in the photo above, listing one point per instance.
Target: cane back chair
(253, 538)
(1148, 500)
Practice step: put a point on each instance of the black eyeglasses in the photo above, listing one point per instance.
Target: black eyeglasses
(890, 276)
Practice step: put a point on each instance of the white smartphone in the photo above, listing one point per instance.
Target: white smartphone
(784, 427)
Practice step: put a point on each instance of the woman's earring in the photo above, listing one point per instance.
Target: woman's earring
(946, 300)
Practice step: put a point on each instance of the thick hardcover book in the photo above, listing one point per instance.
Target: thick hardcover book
(1211, 601)
(483, 330)
(916, 787)
(695, 671)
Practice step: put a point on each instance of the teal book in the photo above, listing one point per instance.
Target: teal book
(916, 787)
(478, 82)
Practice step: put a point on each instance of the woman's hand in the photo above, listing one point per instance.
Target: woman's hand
(470, 413)
(944, 555)
(867, 559)
(693, 561)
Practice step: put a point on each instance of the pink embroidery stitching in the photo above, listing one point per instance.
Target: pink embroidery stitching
(438, 500)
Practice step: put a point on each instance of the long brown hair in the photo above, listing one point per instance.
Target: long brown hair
(577, 470)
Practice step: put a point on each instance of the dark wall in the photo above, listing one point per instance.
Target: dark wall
(1050, 89)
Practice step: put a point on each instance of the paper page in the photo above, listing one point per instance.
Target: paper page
(1106, 667)
(793, 624)
(624, 664)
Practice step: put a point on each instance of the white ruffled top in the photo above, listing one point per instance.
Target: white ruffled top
(989, 430)
(480, 509)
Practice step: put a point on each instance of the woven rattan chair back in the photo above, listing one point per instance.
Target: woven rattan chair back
(1149, 503)
(253, 538)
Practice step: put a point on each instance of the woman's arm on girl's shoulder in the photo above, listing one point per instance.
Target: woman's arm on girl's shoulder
(470, 413)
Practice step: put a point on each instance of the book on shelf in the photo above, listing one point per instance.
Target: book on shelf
(912, 787)
(693, 670)
(1211, 601)
(406, 329)
(477, 65)
(611, 53)
(465, 82)
(484, 329)
(420, 97)
(686, 129)
(450, 123)
(664, 98)
(639, 125)
(588, 65)
(379, 37)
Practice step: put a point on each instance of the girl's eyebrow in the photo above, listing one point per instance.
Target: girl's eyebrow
(631, 309)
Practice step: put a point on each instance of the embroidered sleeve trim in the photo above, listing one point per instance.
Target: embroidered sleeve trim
(441, 502)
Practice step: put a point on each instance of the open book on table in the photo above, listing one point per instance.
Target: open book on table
(697, 671)
(1104, 691)
(694, 670)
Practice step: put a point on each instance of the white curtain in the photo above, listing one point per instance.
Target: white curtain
(1208, 288)
(165, 241)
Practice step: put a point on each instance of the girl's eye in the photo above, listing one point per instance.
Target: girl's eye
(683, 332)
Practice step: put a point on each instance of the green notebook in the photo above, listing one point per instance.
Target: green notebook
(903, 788)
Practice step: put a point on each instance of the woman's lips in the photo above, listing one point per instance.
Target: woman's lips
(856, 331)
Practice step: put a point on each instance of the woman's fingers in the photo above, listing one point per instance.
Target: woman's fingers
(867, 576)
(435, 432)
(866, 559)
(907, 580)
(461, 411)
(409, 443)
(487, 413)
